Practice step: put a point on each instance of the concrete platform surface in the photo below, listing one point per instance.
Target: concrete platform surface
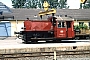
(17, 43)
(13, 45)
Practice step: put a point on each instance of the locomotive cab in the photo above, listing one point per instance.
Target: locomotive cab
(64, 29)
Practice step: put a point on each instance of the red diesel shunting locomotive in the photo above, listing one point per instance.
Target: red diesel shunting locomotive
(51, 29)
(54, 28)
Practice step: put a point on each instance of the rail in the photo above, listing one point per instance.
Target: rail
(39, 54)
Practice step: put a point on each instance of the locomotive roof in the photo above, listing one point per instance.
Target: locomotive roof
(64, 18)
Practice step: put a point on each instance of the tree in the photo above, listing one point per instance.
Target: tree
(86, 5)
(57, 3)
(63, 4)
(39, 3)
(53, 3)
(18, 3)
(28, 4)
(80, 5)
(31, 4)
(34, 4)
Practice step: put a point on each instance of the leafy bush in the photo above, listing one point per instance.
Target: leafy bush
(76, 27)
(85, 26)
(81, 26)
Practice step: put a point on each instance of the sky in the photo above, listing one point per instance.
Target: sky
(74, 4)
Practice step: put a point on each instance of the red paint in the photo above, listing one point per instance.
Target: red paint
(73, 32)
(27, 25)
(61, 32)
(37, 25)
(70, 31)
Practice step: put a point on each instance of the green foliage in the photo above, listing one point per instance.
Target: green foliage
(53, 3)
(28, 4)
(80, 5)
(63, 4)
(39, 3)
(81, 26)
(76, 27)
(31, 4)
(18, 3)
(85, 26)
(86, 5)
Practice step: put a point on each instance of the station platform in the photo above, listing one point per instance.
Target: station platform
(16, 46)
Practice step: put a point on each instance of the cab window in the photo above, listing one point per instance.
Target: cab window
(61, 24)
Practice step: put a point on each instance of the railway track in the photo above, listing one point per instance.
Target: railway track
(40, 54)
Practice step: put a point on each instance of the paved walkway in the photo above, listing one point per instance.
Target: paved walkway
(12, 42)
(8, 38)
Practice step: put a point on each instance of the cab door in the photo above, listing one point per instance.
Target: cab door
(61, 29)
(70, 30)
